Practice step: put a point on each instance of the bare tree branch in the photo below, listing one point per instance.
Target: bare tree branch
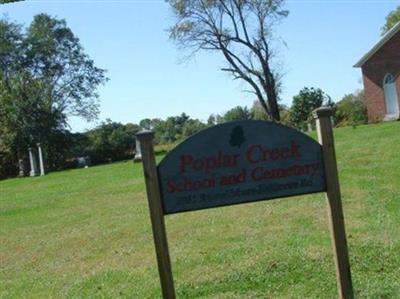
(241, 31)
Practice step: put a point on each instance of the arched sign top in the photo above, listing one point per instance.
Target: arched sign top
(237, 162)
(258, 124)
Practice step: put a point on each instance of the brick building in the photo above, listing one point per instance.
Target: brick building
(381, 75)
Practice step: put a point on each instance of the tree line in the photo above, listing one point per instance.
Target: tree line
(112, 141)
(45, 77)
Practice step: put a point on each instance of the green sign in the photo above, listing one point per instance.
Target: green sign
(239, 162)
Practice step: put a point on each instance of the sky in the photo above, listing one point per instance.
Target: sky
(320, 43)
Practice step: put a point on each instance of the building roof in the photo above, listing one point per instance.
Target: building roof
(379, 44)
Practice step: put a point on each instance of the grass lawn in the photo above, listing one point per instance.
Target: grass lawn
(86, 234)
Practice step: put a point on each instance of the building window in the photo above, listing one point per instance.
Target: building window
(389, 78)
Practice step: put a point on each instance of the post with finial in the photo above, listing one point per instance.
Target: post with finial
(325, 137)
(156, 213)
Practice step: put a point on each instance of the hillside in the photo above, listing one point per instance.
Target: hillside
(86, 233)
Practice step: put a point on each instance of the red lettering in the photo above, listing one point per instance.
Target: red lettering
(210, 164)
(186, 185)
(285, 153)
(266, 155)
(275, 154)
(173, 187)
(256, 153)
(249, 153)
(207, 164)
(185, 161)
(295, 149)
(198, 164)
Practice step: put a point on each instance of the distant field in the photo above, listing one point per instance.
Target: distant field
(86, 234)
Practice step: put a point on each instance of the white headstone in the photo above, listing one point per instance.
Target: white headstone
(138, 154)
(33, 164)
(41, 163)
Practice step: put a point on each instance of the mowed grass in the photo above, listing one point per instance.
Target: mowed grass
(86, 234)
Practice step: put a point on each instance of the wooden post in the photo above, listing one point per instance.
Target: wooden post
(325, 136)
(156, 213)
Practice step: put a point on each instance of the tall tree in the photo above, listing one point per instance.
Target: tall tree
(45, 76)
(11, 135)
(56, 58)
(392, 19)
(304, 103)
(242, 31)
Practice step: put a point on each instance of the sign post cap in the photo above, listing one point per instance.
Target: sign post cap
(145, 134)
(322, 112)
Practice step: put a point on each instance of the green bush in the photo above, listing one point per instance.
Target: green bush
(351, 110)
(111, 141)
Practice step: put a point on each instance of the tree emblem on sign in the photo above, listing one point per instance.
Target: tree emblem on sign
(237, 137)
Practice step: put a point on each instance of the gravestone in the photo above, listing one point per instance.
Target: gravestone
(21, 167)
(33, 163)
(41, 160)
(84, 161)
(138, 154)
